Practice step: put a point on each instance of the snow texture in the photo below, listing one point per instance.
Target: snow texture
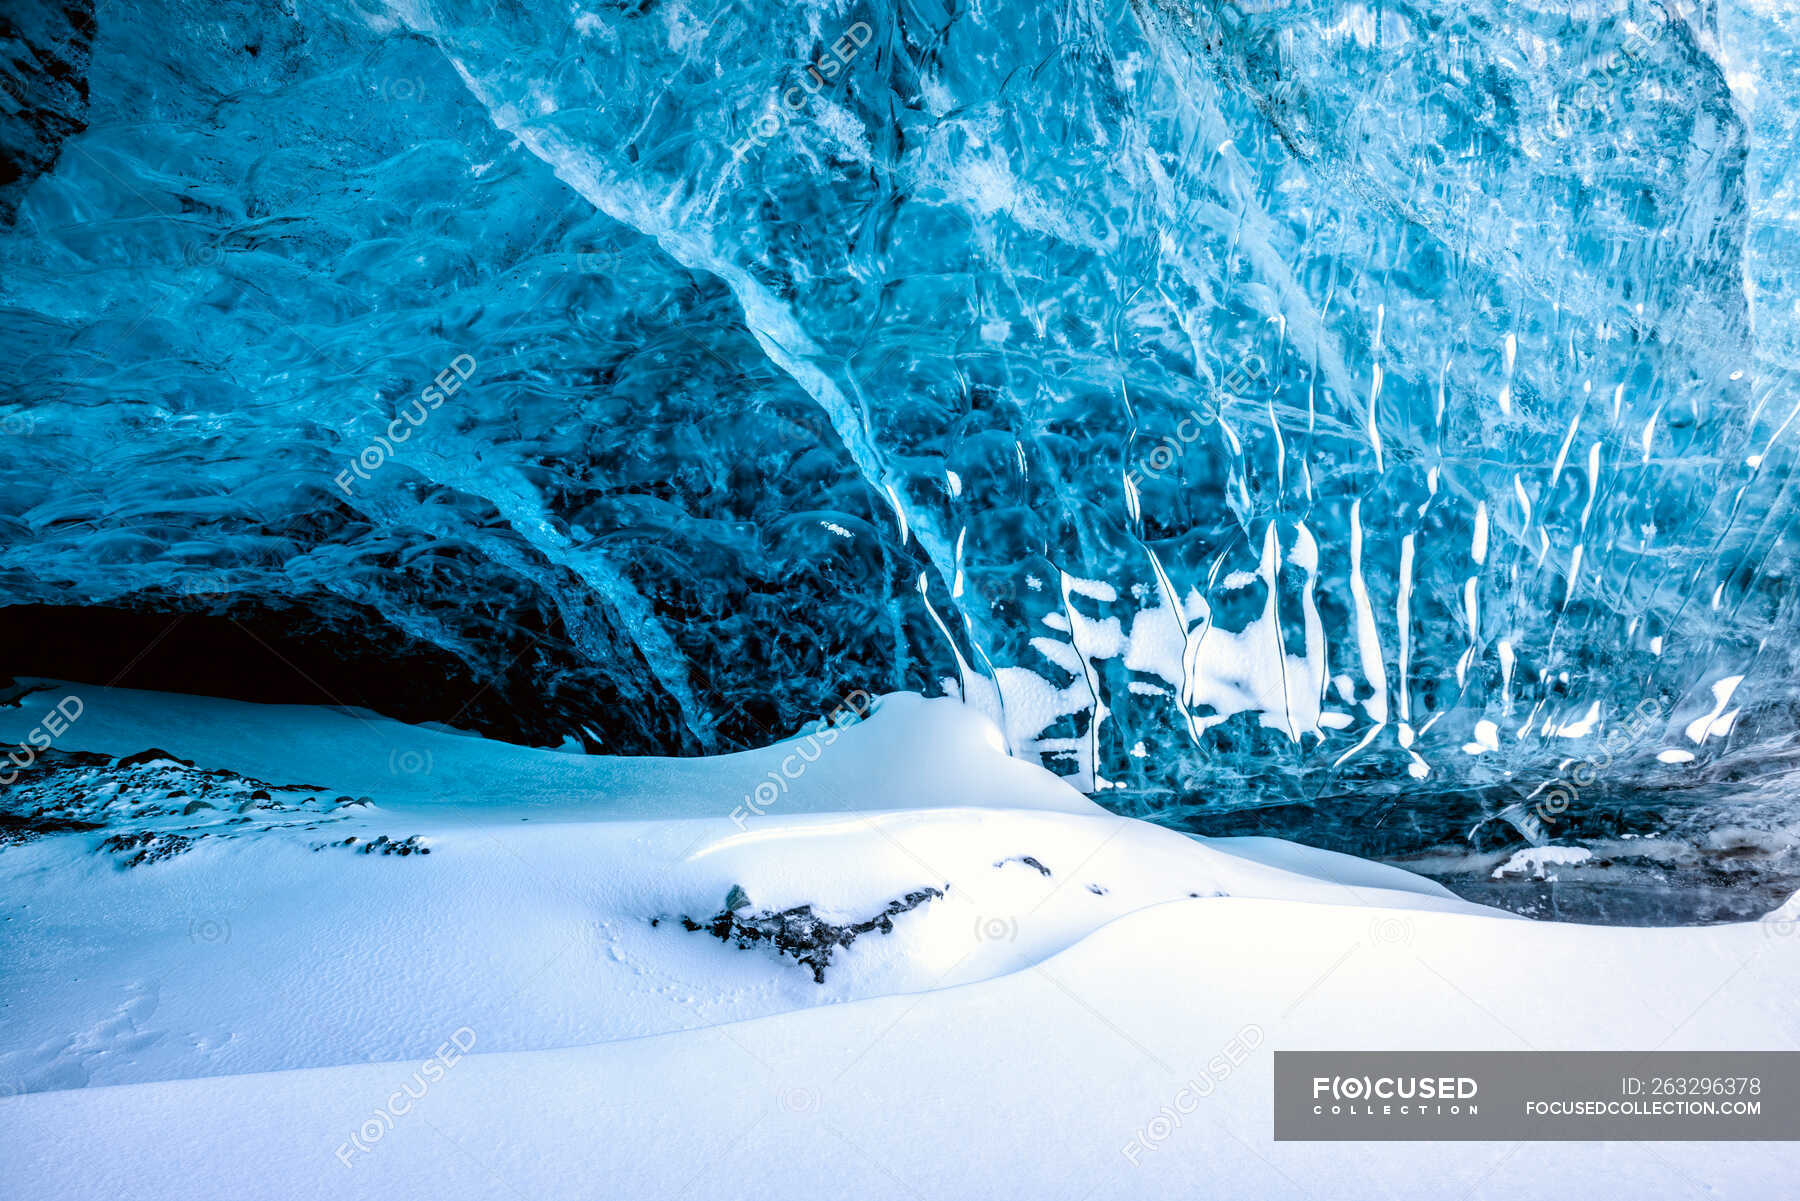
(281, 1019)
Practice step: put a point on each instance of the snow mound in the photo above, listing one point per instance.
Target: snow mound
(1062, 1076)
(924, 944)
(435, 880)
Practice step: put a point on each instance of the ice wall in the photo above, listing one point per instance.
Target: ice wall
(1317, 403)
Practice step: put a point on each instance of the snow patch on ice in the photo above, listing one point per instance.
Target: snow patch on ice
(1535, 862)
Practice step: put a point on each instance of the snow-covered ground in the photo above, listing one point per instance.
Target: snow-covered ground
(241, 1001)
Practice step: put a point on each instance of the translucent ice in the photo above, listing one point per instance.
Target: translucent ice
(1322, 403)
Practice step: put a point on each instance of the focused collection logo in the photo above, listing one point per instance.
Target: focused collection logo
(1536, 1096)
(1395, 1096)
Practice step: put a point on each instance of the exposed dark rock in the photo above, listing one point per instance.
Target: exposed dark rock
(152, 792)
(145, 847)
(16, 828)
(12, 692)
(383, 845)
(46, 47)
(49, 761)
(799, 933)
(153, 755)
(1027, 860)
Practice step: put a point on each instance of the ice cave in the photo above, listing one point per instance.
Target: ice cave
(664, 598)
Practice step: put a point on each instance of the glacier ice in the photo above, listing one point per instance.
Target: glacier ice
(1380, 414)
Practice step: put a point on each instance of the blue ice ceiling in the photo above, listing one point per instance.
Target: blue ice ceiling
(1245, 404)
